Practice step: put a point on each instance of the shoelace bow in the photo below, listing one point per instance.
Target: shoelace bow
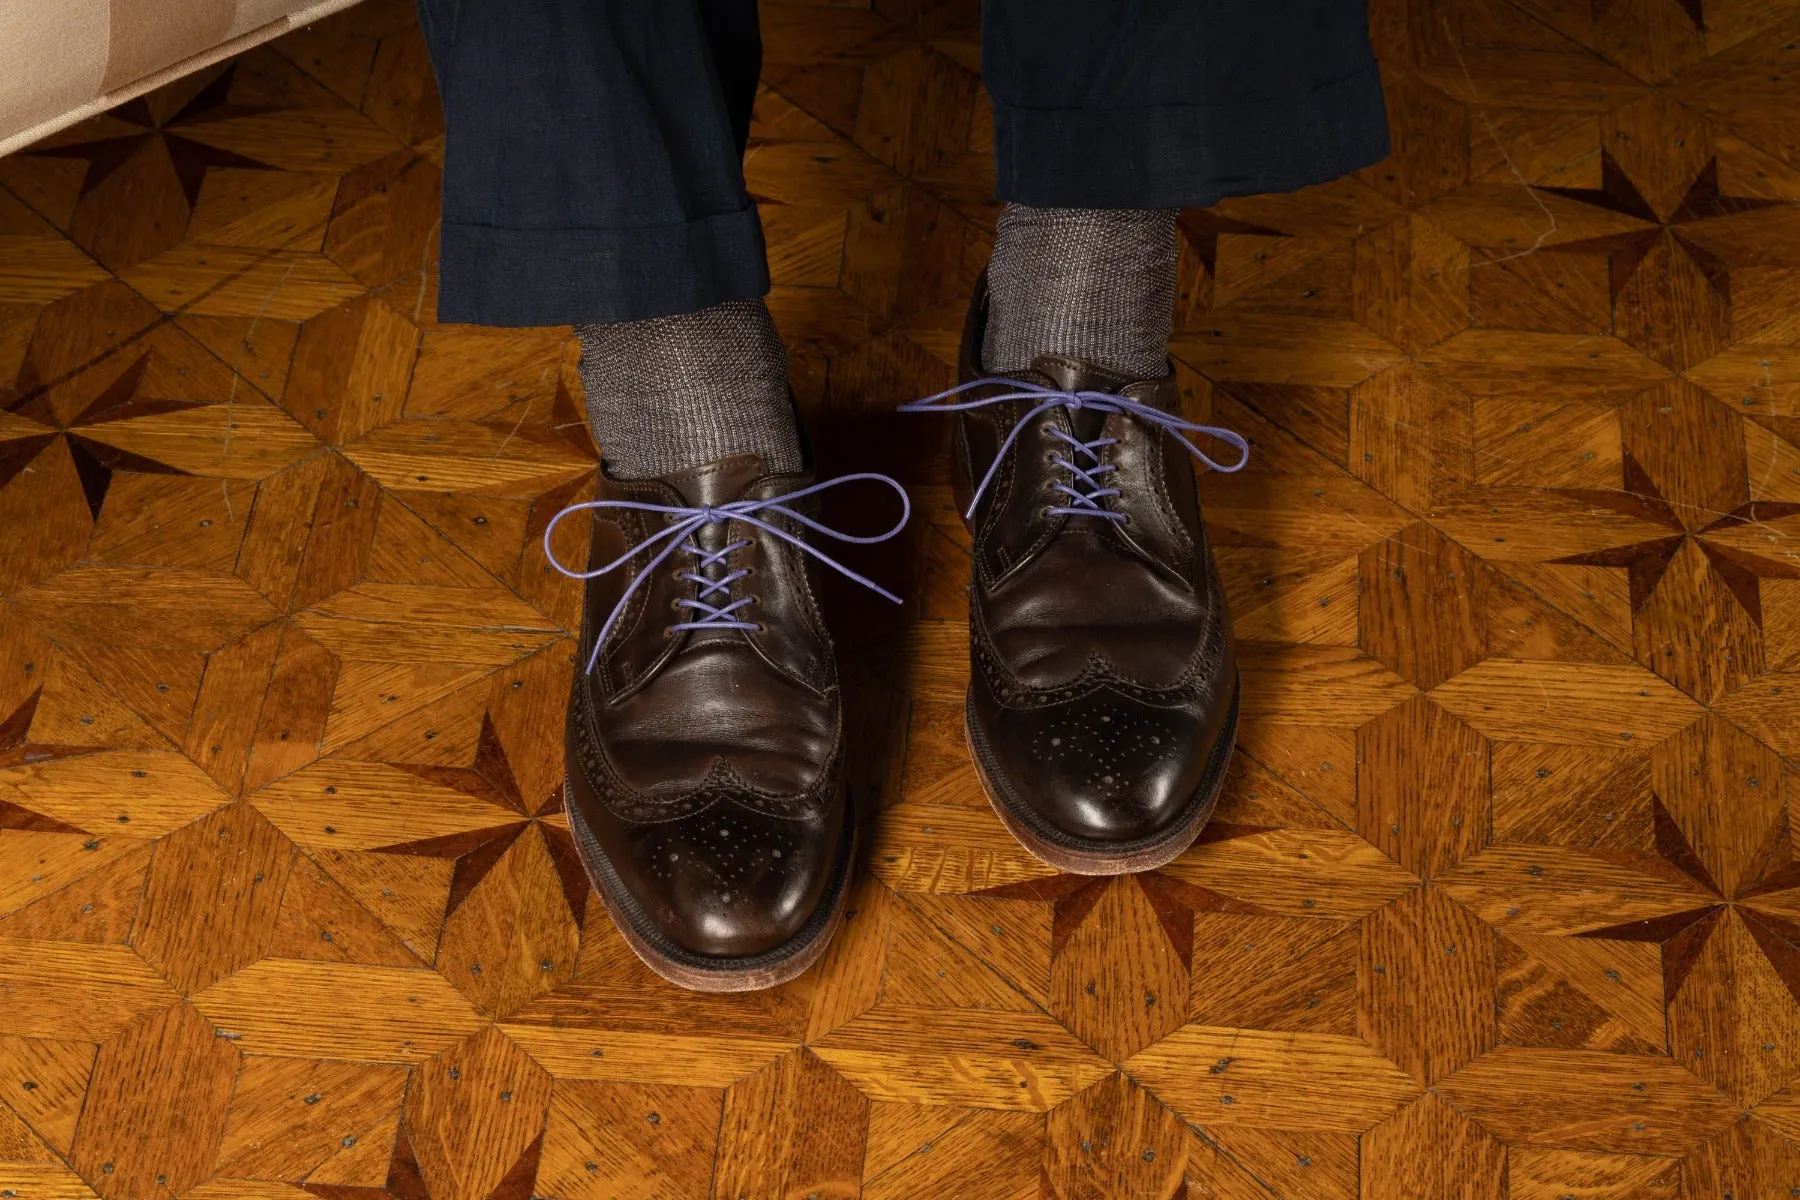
(679, 536)
(1081, 503)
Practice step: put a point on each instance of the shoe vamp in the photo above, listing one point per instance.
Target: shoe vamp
(718, 714)
(1083, 598)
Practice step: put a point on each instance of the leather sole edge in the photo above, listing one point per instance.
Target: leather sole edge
(694, 972)
(1102, 860)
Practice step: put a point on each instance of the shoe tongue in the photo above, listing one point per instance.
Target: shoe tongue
(1078, 375)
(718, 482)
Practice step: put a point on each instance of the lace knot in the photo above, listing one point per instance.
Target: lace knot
(1081, 503)
(683, 521)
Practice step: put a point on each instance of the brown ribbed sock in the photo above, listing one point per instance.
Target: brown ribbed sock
(1093, 283)
(675, 392)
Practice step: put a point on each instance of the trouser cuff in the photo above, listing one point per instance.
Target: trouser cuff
(1188, 156)
(494, 276)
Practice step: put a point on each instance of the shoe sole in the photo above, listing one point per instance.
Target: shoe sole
(1083, 857)
(704, 973)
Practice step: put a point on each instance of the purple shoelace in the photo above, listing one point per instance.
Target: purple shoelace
(679, 536)
(1081, 503)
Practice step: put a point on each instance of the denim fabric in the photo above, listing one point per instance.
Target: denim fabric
(594, 147)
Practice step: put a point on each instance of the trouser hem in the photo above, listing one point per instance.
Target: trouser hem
(1188, 156)
(496, 276)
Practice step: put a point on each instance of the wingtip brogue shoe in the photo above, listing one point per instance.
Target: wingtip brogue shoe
(705, 738)
(1102, 704)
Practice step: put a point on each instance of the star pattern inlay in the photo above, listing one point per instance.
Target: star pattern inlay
(477, 852)
(144, 162)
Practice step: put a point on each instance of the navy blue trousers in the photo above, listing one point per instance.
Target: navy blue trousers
(593, 154)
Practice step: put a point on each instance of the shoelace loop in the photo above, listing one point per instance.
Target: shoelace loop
(1081, 503)
(690, 519)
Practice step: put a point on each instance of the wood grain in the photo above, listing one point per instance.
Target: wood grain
(1502, 897)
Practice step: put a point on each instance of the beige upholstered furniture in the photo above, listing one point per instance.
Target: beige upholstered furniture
(62, 60)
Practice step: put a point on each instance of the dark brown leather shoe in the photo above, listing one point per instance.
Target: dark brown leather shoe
(705, 740)
(1102, 706)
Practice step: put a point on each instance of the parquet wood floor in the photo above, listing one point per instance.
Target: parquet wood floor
(1503, 899)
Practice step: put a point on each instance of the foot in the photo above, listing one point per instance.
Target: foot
(1102, 705)
(705, 738)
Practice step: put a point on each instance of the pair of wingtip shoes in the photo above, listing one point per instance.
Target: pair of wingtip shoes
(705, 739)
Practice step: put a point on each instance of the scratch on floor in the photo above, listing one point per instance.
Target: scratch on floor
(1481, 111)
(249, 335)
(425, 269)
(504, 442)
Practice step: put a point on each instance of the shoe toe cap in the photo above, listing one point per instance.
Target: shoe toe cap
(730, 882)
(1105, 768)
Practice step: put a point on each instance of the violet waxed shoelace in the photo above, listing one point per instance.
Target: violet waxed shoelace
(1080, 503)
(690, 520)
